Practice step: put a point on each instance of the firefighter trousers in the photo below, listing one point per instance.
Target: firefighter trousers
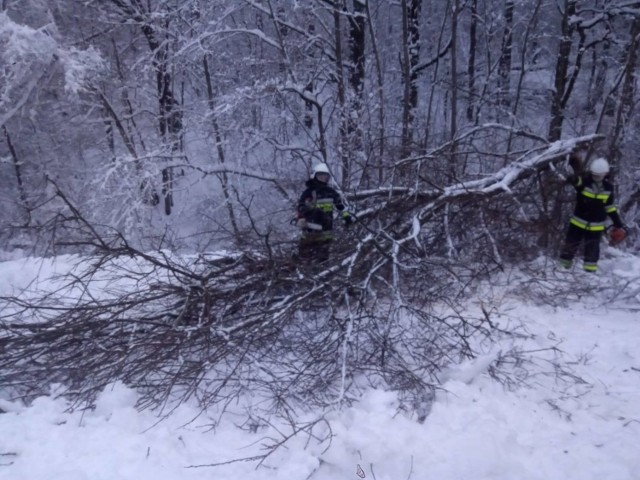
(315, 247)
(576, 236)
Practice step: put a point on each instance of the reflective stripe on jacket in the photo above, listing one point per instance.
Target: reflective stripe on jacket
(594, 202)
(317, 204)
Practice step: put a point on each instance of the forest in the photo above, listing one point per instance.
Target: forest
(166, 142)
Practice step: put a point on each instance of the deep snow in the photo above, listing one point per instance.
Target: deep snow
(581, 421)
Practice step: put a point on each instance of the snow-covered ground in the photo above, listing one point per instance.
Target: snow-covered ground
(575, 414)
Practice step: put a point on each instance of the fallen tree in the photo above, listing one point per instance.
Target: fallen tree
(385, 310)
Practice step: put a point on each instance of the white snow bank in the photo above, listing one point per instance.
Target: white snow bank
(554, 428)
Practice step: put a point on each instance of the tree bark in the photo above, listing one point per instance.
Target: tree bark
(410, 60)
(626, 102)
(357, 31)
(170, 120)
(224, 179)
(380, 93)
(22, 193)
(338, 8)
(504, 65)
(471, 65)
(562, 69)
(454, 88)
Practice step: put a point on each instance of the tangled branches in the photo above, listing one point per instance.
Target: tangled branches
(383, 311)
(214, 328)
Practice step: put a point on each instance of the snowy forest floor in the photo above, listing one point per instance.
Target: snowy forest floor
(559, 400)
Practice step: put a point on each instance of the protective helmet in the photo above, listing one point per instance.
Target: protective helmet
(320, 168)
(599, 167)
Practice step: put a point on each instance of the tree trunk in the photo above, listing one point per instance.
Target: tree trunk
(410, 59)
(626, 102)
(308, 106)
(471, 65)
(111, 141)
(357, 29)
(598, 77)
(224, 179)
(504, 65)
(562, 69)
(380, 92)
(342, 106)
(22, 193)
(454, 88)
(524, 49)
(170, 118)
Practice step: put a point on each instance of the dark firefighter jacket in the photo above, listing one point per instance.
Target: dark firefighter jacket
(593, 203)
(316, 206)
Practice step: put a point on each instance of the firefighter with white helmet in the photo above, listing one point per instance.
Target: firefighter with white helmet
(599, 169)
(315, 215)
(594, 203)
(321, 168)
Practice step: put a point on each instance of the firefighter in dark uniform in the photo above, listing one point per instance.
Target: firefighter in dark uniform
(594, 203)
(315, 215)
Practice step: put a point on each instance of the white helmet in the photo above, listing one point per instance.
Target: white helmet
(320, 168)
(599, 167)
